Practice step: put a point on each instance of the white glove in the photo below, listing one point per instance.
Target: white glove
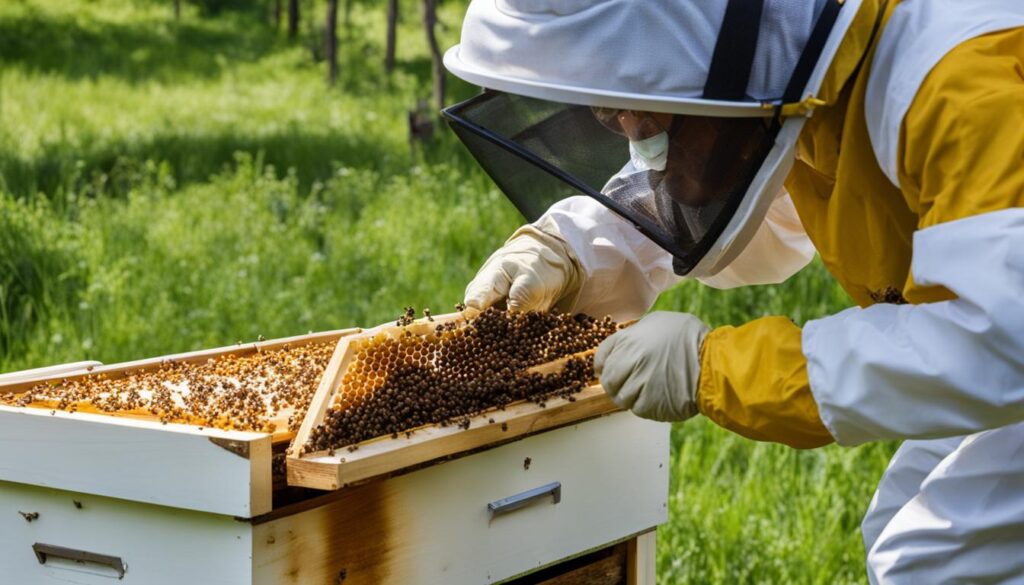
(534, 271)
(653, 366)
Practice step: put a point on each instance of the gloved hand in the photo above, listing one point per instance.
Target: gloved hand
(653, 366)
(535, 271)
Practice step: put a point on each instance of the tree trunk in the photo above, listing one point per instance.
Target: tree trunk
(277, 15)
(177, 9)
(331, 32)
(348, 14)
(389, 54)
(429, 23)
(293, 18)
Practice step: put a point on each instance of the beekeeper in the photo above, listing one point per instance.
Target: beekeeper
(728, 141)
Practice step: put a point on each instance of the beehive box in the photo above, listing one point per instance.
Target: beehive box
(86, 497)
(444, 524)
(134, 454)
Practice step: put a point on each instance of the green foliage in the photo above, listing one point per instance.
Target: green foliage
(40, 272)
(744, 512)
(172, 185)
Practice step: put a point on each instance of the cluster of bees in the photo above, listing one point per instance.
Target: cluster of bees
(228, 392)
(395, 383)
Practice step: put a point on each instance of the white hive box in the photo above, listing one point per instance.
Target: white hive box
(97, 499)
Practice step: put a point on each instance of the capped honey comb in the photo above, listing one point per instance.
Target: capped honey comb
(227, 392)
(398, 382)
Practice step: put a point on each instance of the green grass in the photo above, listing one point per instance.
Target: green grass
(167, 186)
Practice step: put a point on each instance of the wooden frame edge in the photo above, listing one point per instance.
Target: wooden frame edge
(641, 558)
(382, 456)
(121, 369)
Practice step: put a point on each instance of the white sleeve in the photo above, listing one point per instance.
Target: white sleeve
(778, 250)
(625, 271)
(938, 369)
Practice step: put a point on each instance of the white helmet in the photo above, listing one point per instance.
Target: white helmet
(669, 112)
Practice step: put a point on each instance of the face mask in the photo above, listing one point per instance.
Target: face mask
(650, 153)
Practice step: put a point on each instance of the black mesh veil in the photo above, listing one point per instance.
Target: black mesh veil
(540, 152)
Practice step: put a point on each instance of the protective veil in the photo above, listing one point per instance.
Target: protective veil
(699, 181)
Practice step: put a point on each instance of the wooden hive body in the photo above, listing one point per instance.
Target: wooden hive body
(148, 495)
(133, 455)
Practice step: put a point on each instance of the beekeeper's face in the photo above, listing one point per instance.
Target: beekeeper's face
(681, 147)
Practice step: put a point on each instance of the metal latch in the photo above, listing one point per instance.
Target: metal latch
(504, 505)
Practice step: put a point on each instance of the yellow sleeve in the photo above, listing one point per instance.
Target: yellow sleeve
(962, 139)
(962, 142)
(753, 381)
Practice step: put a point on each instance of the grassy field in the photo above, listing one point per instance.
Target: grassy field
(167, 186)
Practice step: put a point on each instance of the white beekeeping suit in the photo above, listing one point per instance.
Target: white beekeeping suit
(652, 140)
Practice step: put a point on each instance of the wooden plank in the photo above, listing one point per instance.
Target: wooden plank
(432, 527)
(48, 372)
(641, 559)
(343, 354)
(224, 472)
(384, 455)
(609, 569)
(605, 566)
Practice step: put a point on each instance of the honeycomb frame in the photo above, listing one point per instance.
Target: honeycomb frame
(332, 469)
